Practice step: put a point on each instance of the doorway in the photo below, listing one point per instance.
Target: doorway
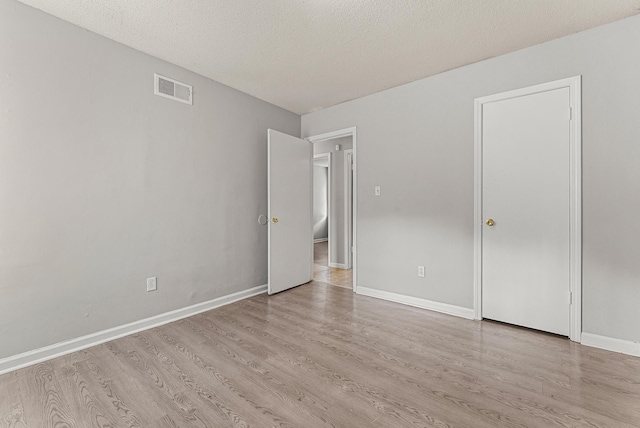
(527, 208)
(334, 255)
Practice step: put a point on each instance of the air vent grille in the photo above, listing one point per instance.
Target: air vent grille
(170, 88)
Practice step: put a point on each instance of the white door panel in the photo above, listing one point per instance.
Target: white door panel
(525, 190)
(290, 202)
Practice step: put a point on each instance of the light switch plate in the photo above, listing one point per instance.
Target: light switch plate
(377, 190)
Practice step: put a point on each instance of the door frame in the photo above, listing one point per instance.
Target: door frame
(328, 157)
(346, 132)
(348, 205)
(575, 195)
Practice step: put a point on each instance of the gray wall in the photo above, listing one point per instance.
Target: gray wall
(416, 142)
(103, 184)
(336, 217)
(320, 202)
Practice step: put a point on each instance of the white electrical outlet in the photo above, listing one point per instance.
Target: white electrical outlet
(377, 190)
(151, 284)
(421, 271)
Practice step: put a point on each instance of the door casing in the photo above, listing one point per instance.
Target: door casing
(575, 195)
(346, 132)
(348, 205)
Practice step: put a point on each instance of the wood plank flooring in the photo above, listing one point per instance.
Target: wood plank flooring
(320, 356)
(323, 273)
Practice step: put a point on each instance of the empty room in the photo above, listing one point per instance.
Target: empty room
(319, 213)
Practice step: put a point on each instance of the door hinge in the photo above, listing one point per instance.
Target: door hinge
(570, 298)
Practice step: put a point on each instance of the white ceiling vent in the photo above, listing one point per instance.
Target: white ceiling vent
(173, 89)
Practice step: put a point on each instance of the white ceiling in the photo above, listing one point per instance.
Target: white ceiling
(305, 55)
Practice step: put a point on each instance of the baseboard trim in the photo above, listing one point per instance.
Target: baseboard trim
(59, 349)
(337, 265)
(611, 344)
(444, 308)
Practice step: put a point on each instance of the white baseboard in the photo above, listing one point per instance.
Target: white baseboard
(611, 344)
(59, 349)
(444, 308)
(315, 241)
(337, 265)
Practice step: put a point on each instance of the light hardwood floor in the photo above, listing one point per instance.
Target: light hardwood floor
(320, 356)
(323, 273)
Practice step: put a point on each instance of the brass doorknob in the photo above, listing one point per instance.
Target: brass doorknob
(274, 220)
(490, 222)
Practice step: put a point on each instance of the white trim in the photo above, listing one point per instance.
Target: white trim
(46, 353)
(611, 344)
(575, 209)
(477, 211)
(444, 308)
(348, 208)
(337, 134)
(156, 85)
(575, 194)
(329, 158)
(338, 265)
(317, 241)
(269, 211)
(346, 132)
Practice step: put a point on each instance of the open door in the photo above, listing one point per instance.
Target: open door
(290, 193)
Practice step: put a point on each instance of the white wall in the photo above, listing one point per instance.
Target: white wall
(336, 217)
(103, 184)
(416, 142)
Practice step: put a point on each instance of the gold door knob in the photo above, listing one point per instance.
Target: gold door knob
(274, 220)
(490, 222)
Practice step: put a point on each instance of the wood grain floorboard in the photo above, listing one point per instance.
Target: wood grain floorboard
(320, 356)
(159, 385)
(11, 409)
(210, 404)
(83, 402)
(255, 395)
(355, 371)
(110, 394)
(343, 365)
(44, 402)
(297, 391)
(230, 381)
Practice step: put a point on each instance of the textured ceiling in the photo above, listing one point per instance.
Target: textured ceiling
(304, 55)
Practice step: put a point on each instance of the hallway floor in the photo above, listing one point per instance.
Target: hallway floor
(323, 273)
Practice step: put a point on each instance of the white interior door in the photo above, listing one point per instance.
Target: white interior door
(290, 180)
(525, 207)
